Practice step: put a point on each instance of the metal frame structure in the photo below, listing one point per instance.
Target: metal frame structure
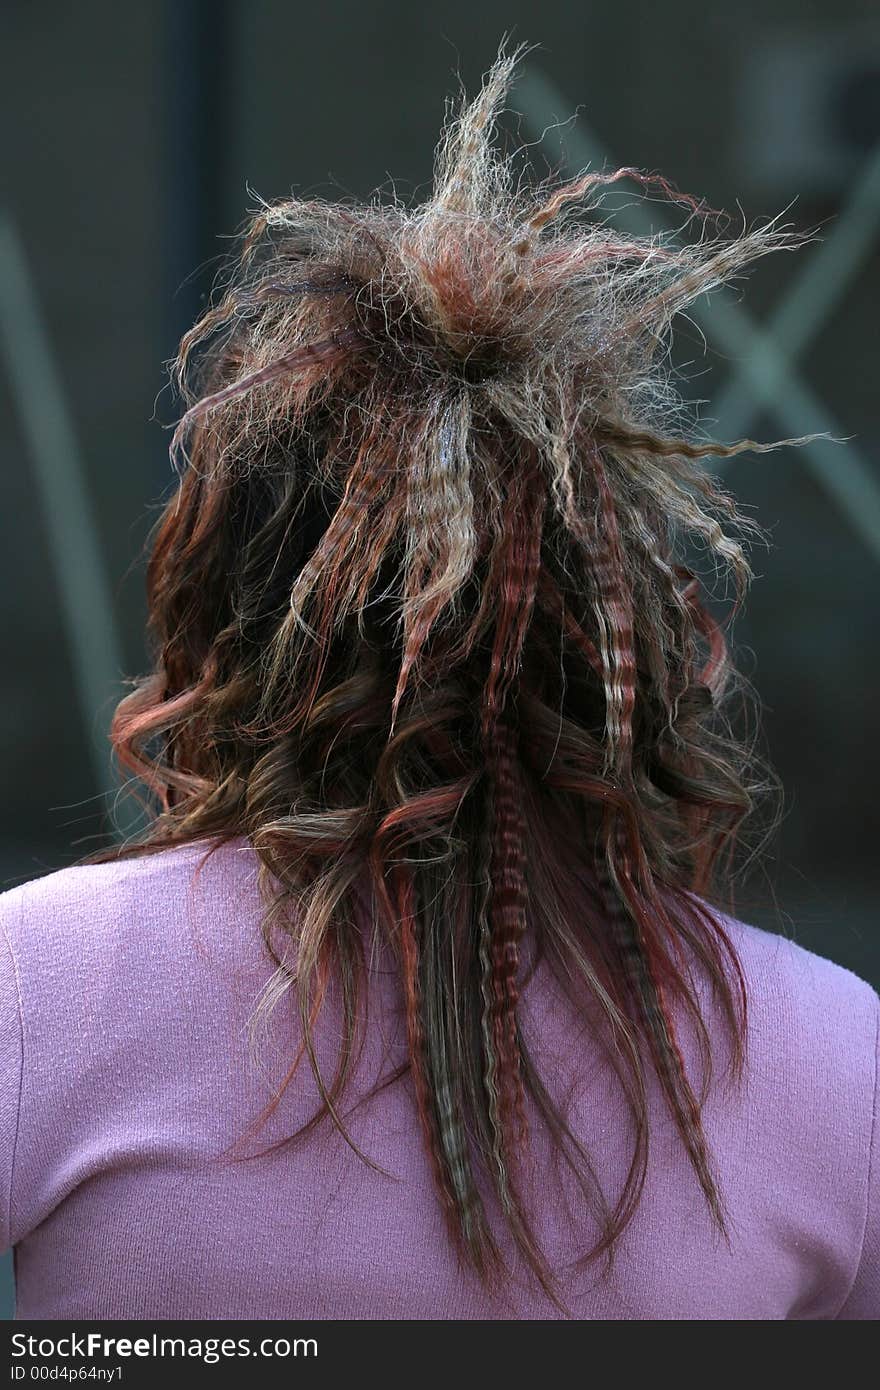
(764, 376)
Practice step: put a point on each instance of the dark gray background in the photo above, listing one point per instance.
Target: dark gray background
(133, 133)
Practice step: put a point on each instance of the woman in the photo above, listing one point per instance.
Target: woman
(419, 997)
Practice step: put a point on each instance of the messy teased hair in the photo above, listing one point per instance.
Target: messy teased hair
(425, 634)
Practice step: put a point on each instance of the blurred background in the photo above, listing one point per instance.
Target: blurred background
(140, 136)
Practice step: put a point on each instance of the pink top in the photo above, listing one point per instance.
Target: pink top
(125, 1071)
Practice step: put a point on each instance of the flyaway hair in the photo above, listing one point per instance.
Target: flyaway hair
(425, 632)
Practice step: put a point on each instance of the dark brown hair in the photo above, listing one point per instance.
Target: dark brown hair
(424, 630)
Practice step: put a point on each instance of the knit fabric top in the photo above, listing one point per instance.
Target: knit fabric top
(131, 1186)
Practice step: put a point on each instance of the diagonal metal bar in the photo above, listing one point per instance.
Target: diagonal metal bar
(73, 541)
(843, 472)
(822, 283)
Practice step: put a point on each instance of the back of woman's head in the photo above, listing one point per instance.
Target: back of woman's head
(425, 635)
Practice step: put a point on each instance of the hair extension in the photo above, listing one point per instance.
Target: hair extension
(425, 631)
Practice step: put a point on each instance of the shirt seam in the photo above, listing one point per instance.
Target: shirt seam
(858, 1267)
(21, 1054)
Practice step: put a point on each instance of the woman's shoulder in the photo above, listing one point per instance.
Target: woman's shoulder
(795, 989)
(87, 914)
(812, 1047)
(812, 1114)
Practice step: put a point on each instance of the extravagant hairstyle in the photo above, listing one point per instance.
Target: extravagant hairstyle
(426, 632)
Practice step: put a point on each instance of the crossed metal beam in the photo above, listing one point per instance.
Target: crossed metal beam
(764, 376)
